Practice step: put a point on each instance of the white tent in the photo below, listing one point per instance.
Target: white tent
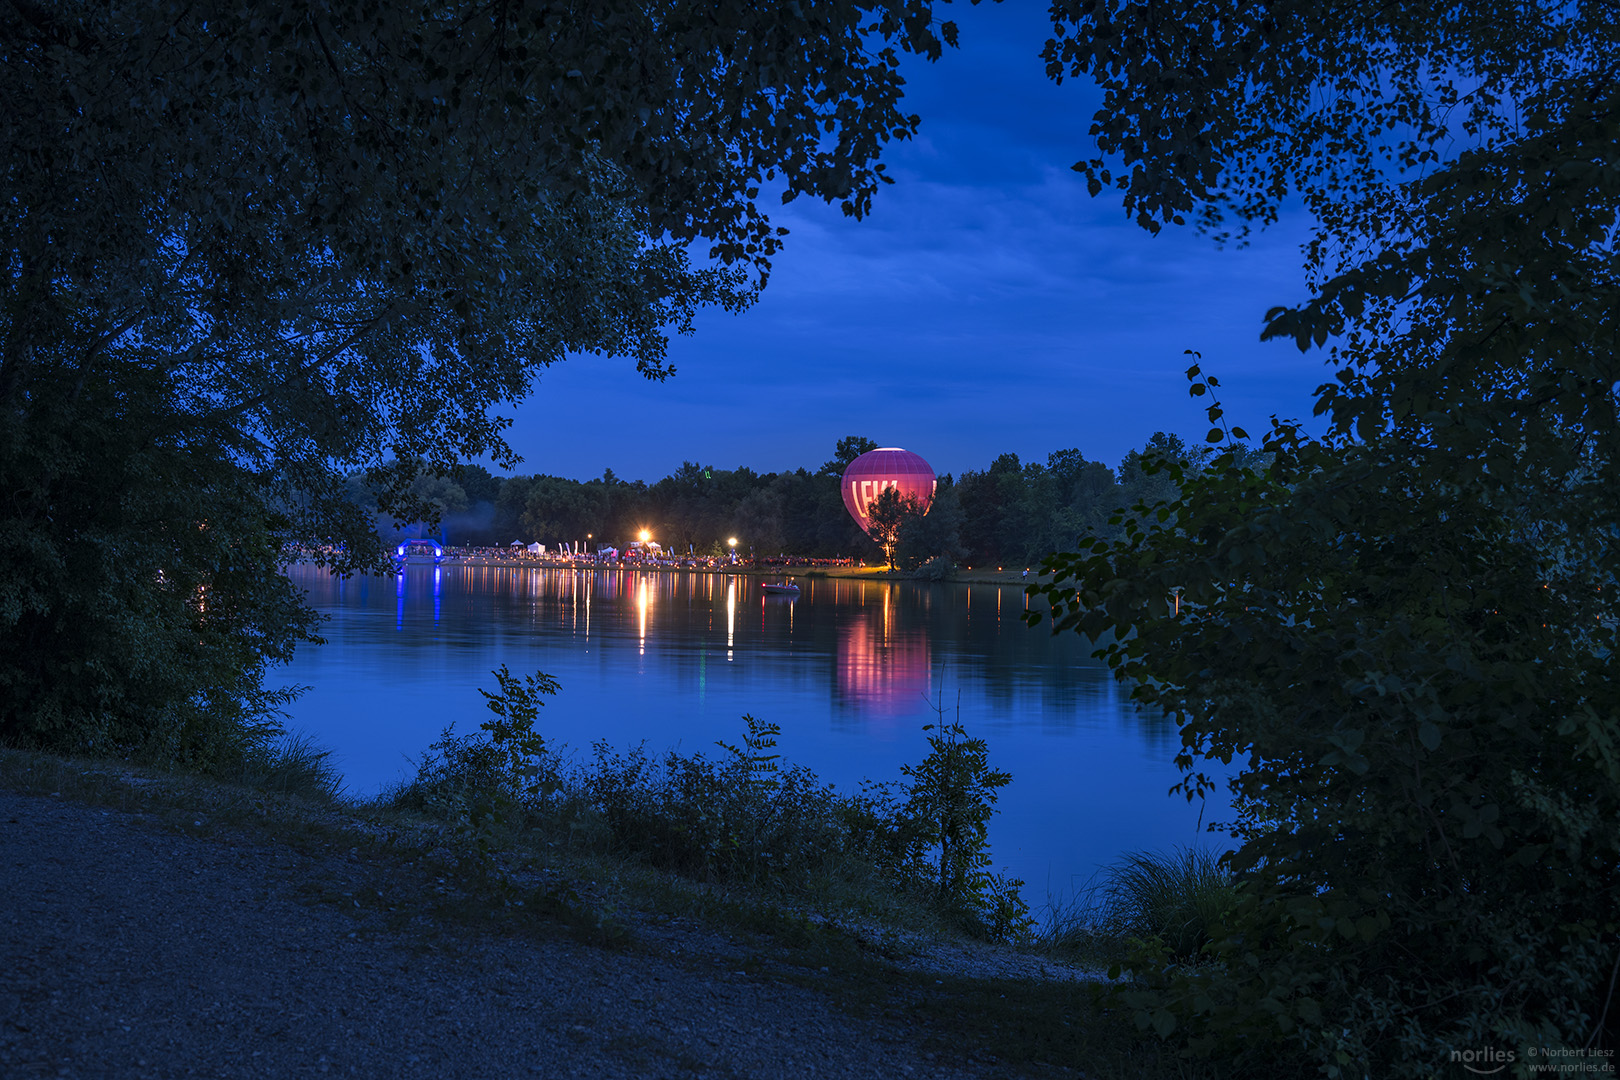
(537, 549)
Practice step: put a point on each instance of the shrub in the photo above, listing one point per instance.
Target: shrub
(949, 805)
(717, 820)
(742, 817)
(1419, 687)
(510, 768)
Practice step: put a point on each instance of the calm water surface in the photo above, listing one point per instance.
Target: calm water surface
(674, 660)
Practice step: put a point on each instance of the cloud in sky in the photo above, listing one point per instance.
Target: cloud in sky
(988, 304)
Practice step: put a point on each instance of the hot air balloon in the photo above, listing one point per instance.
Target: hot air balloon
(869, 475)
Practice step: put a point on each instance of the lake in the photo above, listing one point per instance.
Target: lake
(851, 670)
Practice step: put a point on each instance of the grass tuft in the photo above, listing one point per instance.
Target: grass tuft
(295, 766)
(1180, 898)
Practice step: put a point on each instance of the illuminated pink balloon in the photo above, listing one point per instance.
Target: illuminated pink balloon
(875, 471)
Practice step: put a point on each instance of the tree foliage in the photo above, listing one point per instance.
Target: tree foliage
(1014, 513)
(1001, 515)
(849, 448)
(935, 536)
(889, 513)
(250, 247)
(134, 610)
(1401, 632)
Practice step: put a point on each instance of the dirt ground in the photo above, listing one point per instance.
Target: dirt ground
(130, 950)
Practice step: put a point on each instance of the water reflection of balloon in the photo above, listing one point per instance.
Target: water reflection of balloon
(881, 673)
(875, 471)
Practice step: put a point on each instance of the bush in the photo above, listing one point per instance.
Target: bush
(741, 817)
(718, 820)
(142, 603)
(1419, 686)
(948, 809)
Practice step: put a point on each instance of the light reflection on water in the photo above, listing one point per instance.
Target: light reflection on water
(851, 670)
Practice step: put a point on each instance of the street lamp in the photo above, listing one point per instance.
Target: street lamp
(733, 543)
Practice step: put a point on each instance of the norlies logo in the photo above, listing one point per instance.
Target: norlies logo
(1484, 1062)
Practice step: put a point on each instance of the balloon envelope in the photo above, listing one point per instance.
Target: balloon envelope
(875, 471)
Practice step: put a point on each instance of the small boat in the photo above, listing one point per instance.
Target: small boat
(785, 588)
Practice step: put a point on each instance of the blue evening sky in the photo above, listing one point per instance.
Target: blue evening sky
(987, 305)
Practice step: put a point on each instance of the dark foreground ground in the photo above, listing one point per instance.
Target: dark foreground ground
(129, 948)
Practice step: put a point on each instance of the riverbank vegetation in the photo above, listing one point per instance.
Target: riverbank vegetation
(430, 882)
(1171, 903)
(740, 816)
(502, 831)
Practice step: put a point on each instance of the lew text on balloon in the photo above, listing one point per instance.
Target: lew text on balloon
(875, 471)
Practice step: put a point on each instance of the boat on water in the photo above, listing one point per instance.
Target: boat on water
(784, 588)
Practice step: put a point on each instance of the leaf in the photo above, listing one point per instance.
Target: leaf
(1429, 735)
(1215, 435)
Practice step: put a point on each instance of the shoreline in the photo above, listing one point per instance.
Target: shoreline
(962, 576)
(342, 938)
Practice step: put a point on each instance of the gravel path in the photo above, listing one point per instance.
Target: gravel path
(129, 950)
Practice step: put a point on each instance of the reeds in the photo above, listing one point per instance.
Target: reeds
(1181, 898)
(293, 765)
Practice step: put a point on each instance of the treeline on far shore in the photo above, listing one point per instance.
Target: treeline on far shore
(1010, 513)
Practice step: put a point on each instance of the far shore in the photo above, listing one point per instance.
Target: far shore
(775, 570)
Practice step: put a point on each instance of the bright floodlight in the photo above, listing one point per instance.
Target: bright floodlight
(645, 536)
(732, 541)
